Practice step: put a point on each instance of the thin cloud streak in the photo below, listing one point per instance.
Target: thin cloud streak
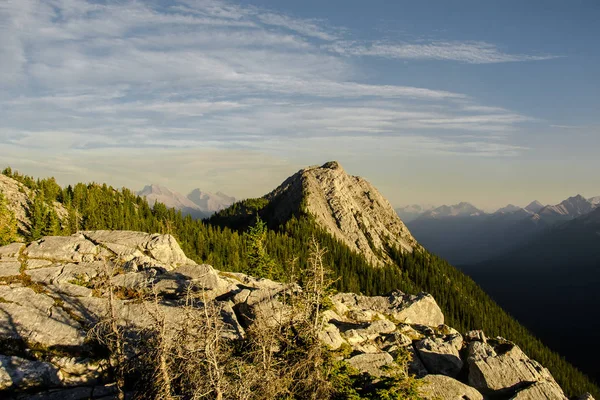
(466, 52)
(211, 73)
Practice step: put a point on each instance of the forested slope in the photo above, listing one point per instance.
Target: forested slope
(225, 243)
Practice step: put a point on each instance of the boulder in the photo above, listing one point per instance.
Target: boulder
(540, 390)
(371, 363)
(19, 373)
(504, 369)
(330, 336)
(441, 354)
(75, 248)
(441, 387)
(420, 309)
(162, 248)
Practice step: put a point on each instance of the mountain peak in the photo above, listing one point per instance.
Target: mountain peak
(209, 202)
(462, 209)
(511, 208)
(348, 207)
(535, 206)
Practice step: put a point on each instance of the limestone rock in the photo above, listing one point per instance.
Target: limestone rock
(347, 206)
(441, 354)
(504, 369)
(540, 390)
(9, 268)
(371, 363)
(11, 251)
(475, 336)
(19, 373)
(441, 387)
(420, 309)
(330, 336)
(163, 248)
(62, 248)
(36, 318)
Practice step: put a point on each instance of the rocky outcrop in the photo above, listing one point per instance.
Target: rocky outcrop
(348, 207)
(19, 197)
(501, 368)
(53, 291)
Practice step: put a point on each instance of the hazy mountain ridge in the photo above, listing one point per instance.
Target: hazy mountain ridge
(197, 203)
(463, 234)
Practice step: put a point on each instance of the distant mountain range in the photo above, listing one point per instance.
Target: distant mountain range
(564, 263)
(197, 204)
(464, 234)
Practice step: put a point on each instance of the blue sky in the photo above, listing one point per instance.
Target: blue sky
(433, 101)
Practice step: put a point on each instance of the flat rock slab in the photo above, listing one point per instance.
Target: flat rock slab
(371, 363)
(441, 387)
(36, 319)
(11, 251)
(9, 268)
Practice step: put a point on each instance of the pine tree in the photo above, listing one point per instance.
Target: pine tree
(259, 262)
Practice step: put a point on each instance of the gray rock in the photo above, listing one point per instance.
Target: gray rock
(79, 371)
(163, 248)
(504, 369)
(475, 336)
(441, 387)
(330, 336)
(19, 373)
(420, 309)
(540, 390)
(11, 251)
(75, 248)
(371, 363)
(37, 319)
(441, 354)
(9, 268)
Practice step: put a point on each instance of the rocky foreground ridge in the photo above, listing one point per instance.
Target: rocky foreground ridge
(347, 206)
(47, 306)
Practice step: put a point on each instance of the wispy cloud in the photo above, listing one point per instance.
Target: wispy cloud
(78, 76)
(466, 52)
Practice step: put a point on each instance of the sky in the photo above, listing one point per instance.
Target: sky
(434, 102)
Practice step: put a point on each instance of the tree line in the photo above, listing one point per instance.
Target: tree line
(246, 238)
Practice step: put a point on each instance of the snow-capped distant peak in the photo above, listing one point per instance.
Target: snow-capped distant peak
(511, 208)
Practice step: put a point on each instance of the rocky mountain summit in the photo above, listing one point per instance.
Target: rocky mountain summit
(348, 207)
(50, 300)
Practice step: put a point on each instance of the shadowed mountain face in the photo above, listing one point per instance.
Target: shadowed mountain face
(549, 281)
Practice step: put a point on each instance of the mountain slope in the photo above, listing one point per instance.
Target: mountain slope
(348, 207)
(209, 202)
(464, 304)
(570, 208)
(564, 263)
